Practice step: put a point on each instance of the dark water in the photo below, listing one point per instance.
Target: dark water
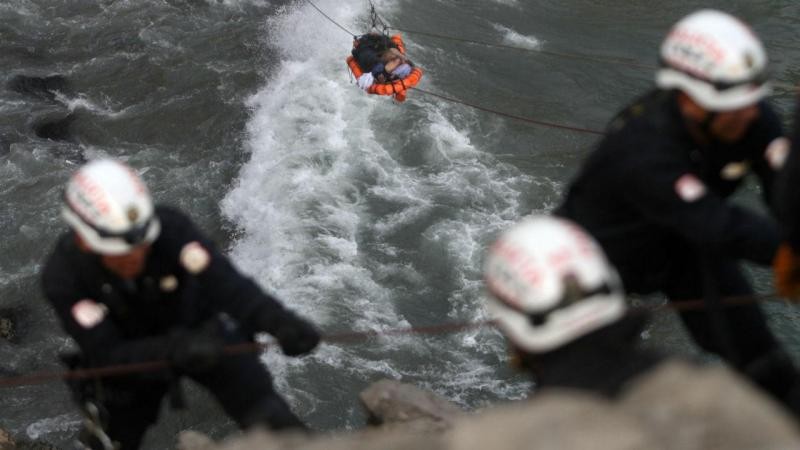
(361, 214)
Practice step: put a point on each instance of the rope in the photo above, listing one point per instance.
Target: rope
(376, 19)
(331, 20)
(358, 336)
(345, 338)
(246, 347)
(603, 59)
(512, 116)
(606, 59)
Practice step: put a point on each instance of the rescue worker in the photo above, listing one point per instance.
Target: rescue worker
(133, 282)
(654, 191)
(562, 307)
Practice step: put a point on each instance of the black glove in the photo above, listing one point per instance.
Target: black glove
(786, 268)
(198, 349)
(296, 336)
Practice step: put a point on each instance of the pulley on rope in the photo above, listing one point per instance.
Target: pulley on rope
(377, 24)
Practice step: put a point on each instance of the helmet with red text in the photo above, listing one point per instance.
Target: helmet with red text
(549, 284)
(716, 59)
(108, 205)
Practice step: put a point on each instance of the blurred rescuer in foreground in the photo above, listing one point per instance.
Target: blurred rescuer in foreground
(654, 192)
(133, 282)
(562, 307)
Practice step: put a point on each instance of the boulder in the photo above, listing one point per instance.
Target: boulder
(6, 441)
(391, 404)
(701, 407)
(194, 440)
(675, 406)
(364, 440)
(556, 419)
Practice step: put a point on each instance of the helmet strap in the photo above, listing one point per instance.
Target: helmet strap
(705, 125)
(699, 126)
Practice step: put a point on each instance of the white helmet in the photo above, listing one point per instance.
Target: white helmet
(716, 60)
(108, 205)
(550, 283)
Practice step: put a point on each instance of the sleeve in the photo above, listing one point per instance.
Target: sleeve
(770, 148)
(787, 200)
(222, 286)
(667, 193)
(87, 321)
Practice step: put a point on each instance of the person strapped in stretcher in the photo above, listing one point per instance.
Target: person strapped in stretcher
(380, 65)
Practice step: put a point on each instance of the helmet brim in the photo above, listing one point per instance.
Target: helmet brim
(111, 246)
(707, 96)
(562, 326)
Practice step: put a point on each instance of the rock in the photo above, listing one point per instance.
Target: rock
(59, 129)
(194, 440)
(377, 439)
(42, 87)
(6, 442)
(393, 403)
(690, 407)
(6, 328)
(35, 445)
(554, 419)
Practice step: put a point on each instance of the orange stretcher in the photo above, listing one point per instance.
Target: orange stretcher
(396, 88)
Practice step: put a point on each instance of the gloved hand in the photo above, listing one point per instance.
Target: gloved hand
(198, 349)
(296, 336)
(786, 269)
(365, 81)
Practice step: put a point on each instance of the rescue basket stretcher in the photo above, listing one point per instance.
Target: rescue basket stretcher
(396, 88)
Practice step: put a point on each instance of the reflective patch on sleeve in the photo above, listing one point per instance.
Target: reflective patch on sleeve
(89, 313)
(776, 153)
(168, 283)
(194, 257)
(734, 170)
(689, 188)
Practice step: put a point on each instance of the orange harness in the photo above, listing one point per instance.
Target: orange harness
(396, 88)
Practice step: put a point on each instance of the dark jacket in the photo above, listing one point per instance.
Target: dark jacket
(142, 316)
(368, 50)
(648, 184)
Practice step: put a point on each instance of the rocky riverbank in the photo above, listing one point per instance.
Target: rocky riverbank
(675, 407)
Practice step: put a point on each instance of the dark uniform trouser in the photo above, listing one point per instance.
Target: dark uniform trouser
(739, 334)
(240, 383)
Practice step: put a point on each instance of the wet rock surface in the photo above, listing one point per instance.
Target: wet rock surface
(675, 406)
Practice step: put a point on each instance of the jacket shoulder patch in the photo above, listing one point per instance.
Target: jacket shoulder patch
(776, 153)
(194, 257)
(689, 188)
(734, 170)
(89, 313)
